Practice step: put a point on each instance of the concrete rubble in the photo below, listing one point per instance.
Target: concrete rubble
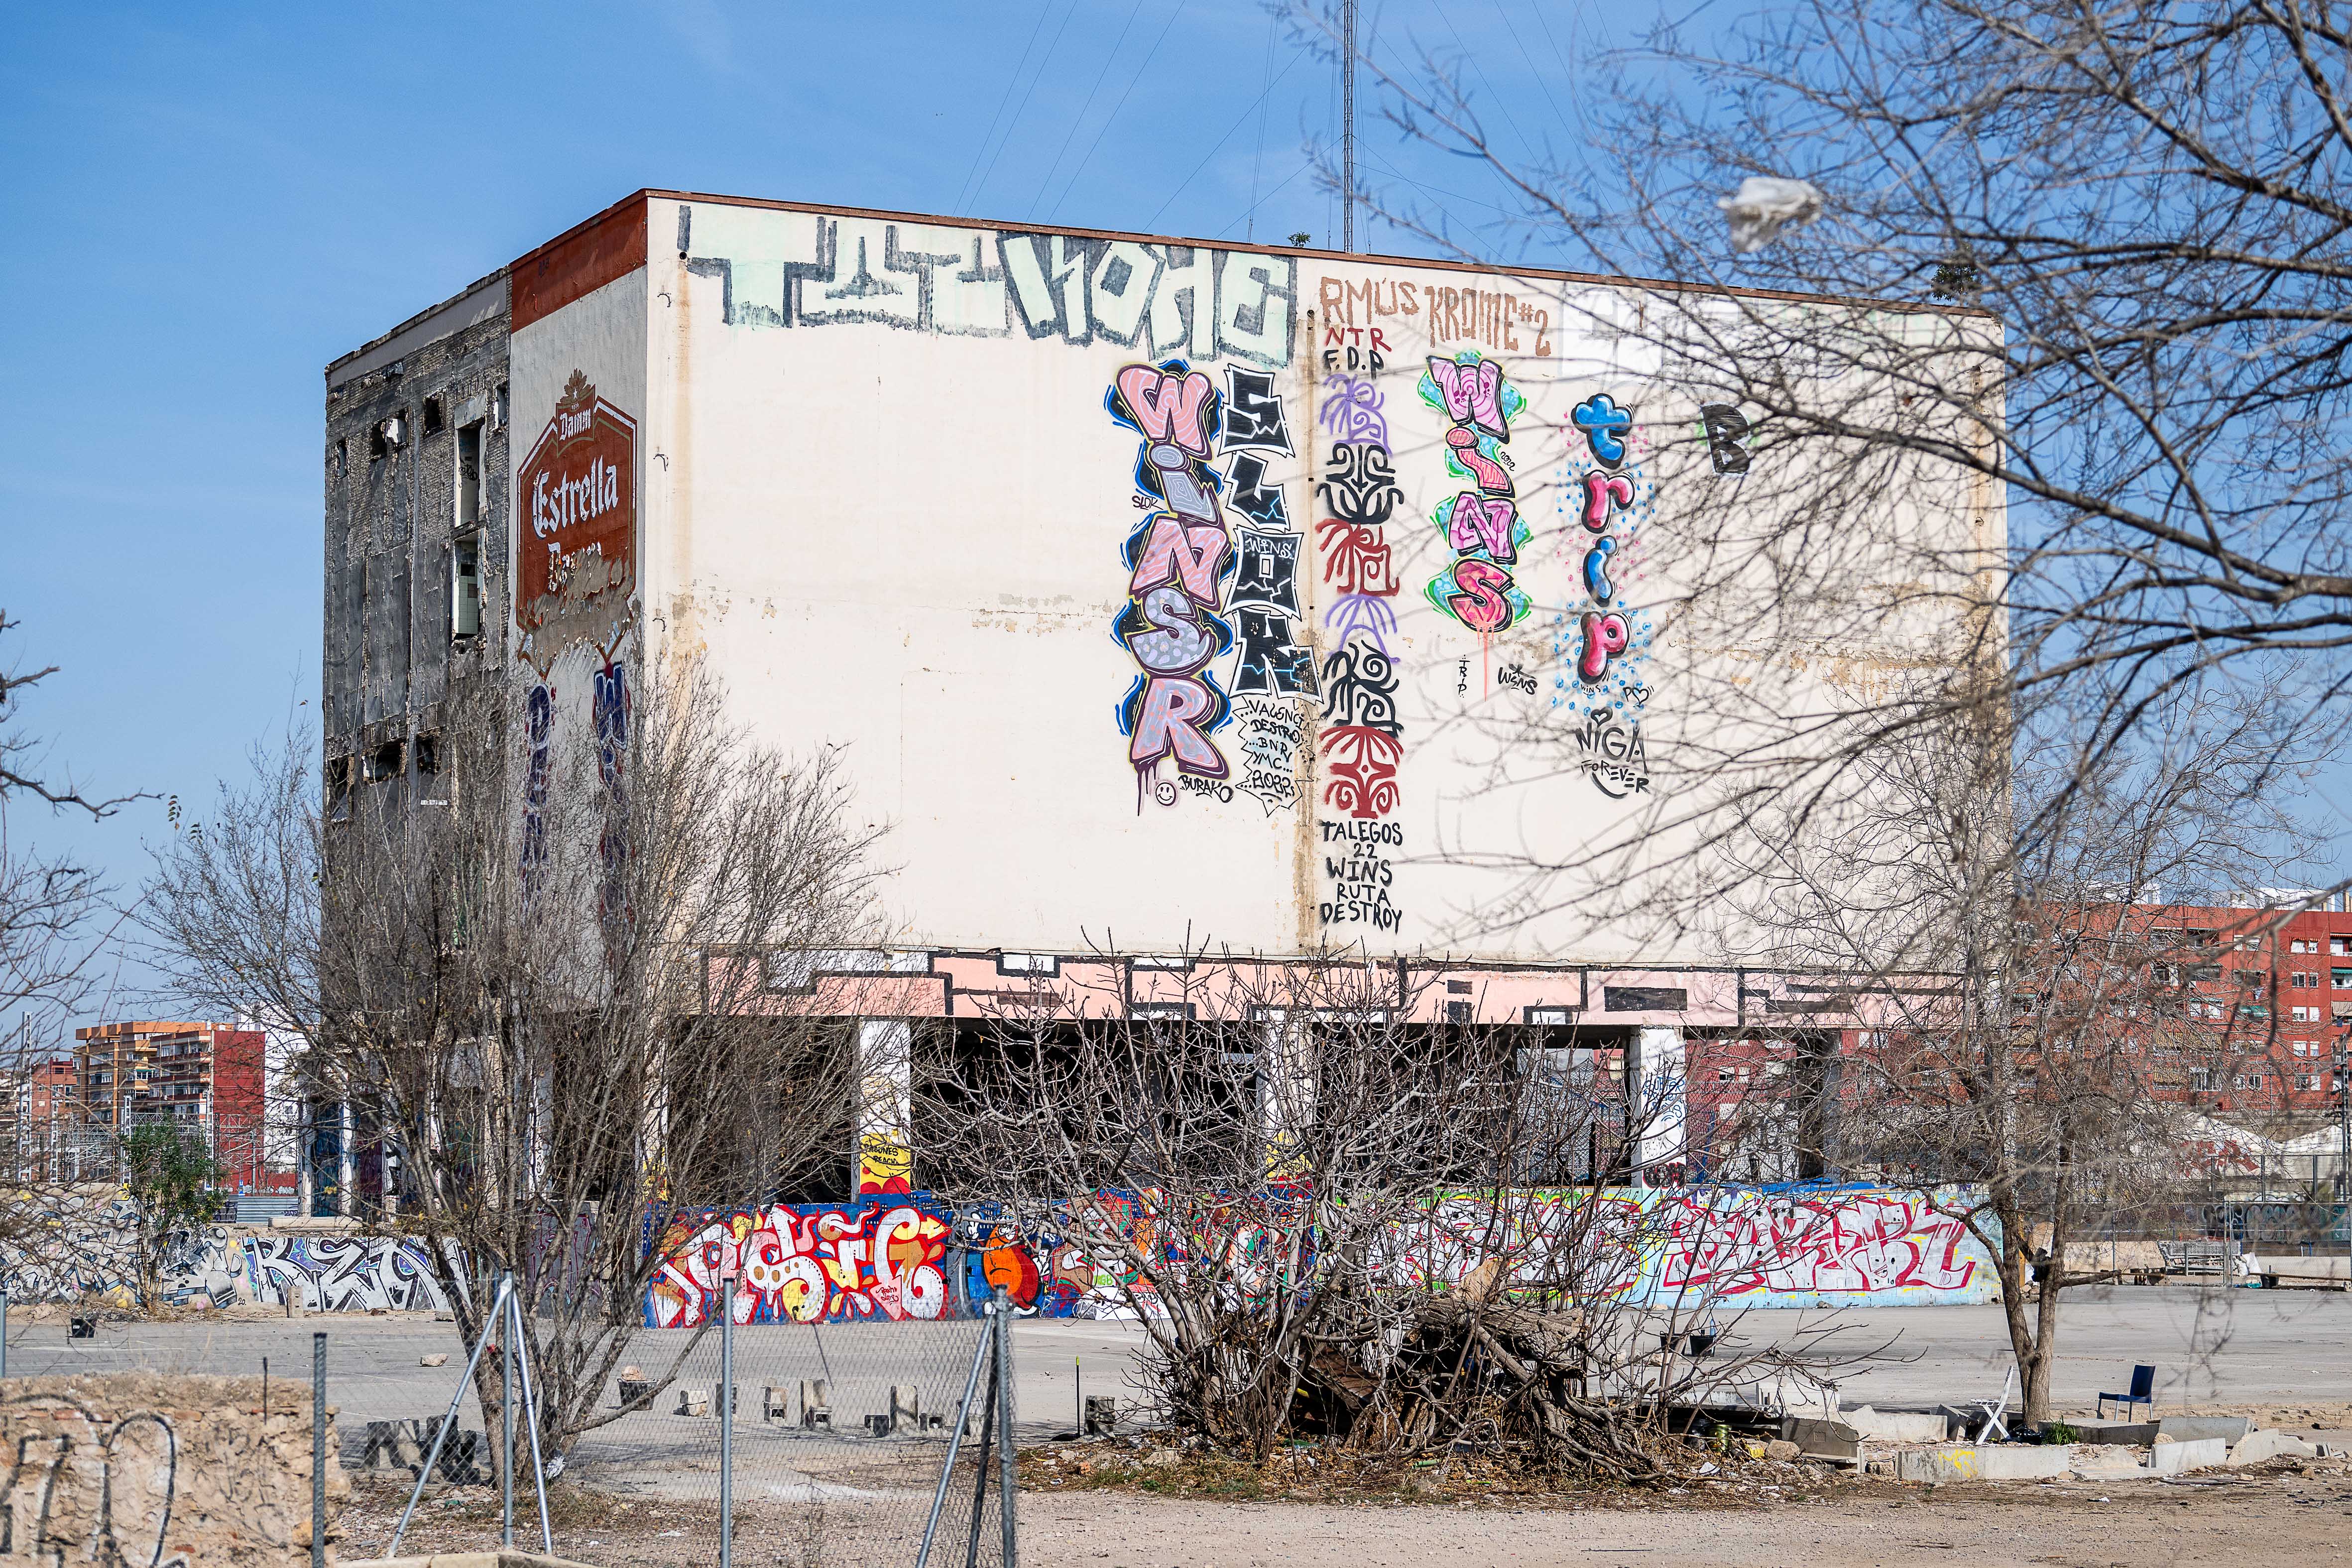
(2117, 1450)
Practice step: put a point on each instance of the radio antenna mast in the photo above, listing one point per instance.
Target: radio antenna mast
(1348, 125)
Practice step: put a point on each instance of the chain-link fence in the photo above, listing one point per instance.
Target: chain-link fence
(830, 1450)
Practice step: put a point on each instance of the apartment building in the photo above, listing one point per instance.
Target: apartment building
(205, 1076)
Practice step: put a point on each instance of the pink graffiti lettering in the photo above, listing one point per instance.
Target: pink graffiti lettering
(1193, 554)
(1491, 476)
(1605, 636)
(1482, 597)
(1179, 644)
(1479, 523)
(1601, 493)
(1168, 722)
(1166, 407)
(1473, 392)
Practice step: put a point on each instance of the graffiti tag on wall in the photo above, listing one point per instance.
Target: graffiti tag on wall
(342, 1273)
(1481, 524)
(817, 1263)
(813, 270)
(1600, 641)
(1362, 739)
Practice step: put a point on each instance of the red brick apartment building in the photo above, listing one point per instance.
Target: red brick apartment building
(2273, 991)
(206, 1076)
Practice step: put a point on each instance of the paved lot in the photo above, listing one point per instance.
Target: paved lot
(2211, 1346)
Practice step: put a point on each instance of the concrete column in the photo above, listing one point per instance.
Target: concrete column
(1286, 1084)
(1656, 1098)
(306, 1185)
(343, 1156)
(886, 1158)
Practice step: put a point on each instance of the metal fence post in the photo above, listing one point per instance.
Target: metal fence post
(317, 1451)
(727, 1419)
(4, 1333)
(1004, 1415)
(506, 1424)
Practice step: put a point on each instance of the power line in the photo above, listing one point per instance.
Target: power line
(1258, 160)
(1044, 60)
(1212, 151)
(1080, 118)
(1116, 108)
(1011, 77)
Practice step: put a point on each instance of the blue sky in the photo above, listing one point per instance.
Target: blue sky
(206, 204)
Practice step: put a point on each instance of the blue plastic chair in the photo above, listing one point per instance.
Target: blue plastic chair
(2143, 1392)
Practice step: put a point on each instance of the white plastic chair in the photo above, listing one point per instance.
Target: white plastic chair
(1995, 1411)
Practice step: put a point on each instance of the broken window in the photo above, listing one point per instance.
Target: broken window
(469, 477)
(466, 586)
(424, 756)
(339, 789)
(433, 416)
(384, 762)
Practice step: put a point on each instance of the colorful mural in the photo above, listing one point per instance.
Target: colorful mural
(1601, 643)
(1361, 740)
(1482, 525)
(1731, 1247)
(813, 1263)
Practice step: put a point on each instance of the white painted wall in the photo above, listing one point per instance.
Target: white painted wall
(883, 494)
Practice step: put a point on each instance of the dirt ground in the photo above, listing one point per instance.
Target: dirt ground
(2218, 1517)
(2230, 1521)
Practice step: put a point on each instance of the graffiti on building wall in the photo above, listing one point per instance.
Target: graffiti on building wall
(1274, 675)
(1737, 1247)
(1362, 742)
(1601, 641)
(1177, 559)
(815, 1263)
(1480, 523)
(810, 269)
(900, 1258)
(342, 1273)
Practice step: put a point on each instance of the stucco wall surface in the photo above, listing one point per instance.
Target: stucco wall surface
(162, 1471)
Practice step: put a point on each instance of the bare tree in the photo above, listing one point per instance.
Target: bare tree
(1335, 1218)
(566, 988)
(53, 908)
(2032, 1022)
(2081, 260)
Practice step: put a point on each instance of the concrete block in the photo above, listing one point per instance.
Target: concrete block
(1824, 1439)
(2189, 1428)
(2138, 1433)
(2196, 1453)
(1986, 1462)
(2268, 1443)
(775, 1403)
(1898, 1425)
(816, 1404)
(693, 1402)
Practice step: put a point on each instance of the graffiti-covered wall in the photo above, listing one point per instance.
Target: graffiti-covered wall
(886, 1259)
(1731, 1249)
(1154, 593)
(341, 1273)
